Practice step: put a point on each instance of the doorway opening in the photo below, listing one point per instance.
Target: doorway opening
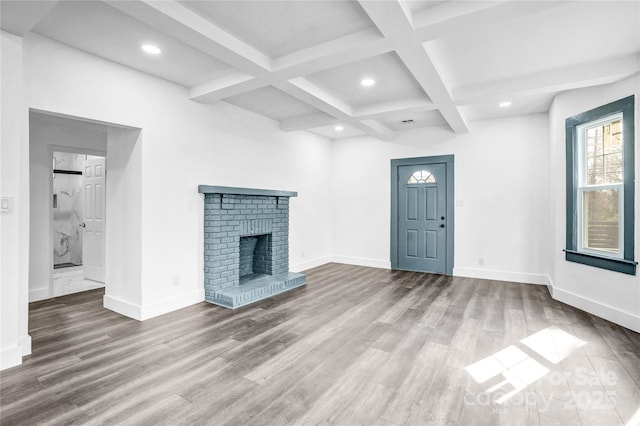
(78, 203)
(114, 210)
(61, 148)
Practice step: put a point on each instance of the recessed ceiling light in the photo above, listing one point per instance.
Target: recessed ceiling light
(504, 104)
(338, 128)
(151, 49)
(367, 82)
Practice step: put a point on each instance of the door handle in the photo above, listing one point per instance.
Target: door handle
(442, 218)
(82, 225)
(442, 225)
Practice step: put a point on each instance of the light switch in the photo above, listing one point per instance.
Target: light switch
(459, 202)
(5, 204)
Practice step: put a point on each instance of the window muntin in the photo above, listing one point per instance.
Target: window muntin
(600, 189)
(421, 176)
(602, 147)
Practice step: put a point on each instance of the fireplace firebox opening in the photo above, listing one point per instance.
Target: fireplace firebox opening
(255, 255)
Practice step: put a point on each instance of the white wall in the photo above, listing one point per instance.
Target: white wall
(47, 134)
(611, 295)
(123, 272)
(183, 144)
(14, 227)
(500, 177)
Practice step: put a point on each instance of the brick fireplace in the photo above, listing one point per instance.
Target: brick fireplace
(246, 245)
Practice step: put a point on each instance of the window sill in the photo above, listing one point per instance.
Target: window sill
(618, 265)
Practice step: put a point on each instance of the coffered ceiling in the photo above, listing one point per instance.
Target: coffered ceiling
(433, 63)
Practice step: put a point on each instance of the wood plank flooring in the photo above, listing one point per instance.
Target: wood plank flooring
(355, 346)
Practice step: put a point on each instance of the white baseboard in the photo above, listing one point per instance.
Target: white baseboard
(171, 304)
(489, 274)
(144, 312)
(122, 307)
(519, 277)
(10, 357)
(25, 345)
(41, 293)
(303, 266)
(625, 319)
(362, 261)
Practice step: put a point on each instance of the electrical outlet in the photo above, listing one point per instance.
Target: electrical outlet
(481, 261)
(6, 204)
(302, 253)
(175, 280)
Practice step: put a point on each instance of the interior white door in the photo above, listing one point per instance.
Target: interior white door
(94, 219)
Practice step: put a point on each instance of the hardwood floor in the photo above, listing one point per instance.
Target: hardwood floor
(355, 346)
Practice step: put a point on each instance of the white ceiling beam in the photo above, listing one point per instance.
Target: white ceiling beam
(390, 17)
(174, 18)
(589, 74)
(469, 16)
(405, 106)
(318, 97)
(394, 23)
(306, 122)
(303, 90)
(310, 121)
(343, 50)
(448, 11)
(425, 72)
(20, 17)
(187, 26)
(431, 23)
(225, 87)
(375, 129)
(257, 70)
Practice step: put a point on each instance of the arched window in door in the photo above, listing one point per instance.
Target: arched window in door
(421, 176)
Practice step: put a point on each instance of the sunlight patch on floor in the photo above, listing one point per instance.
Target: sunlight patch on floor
(519, 369)
(553, 343)
(635, 419)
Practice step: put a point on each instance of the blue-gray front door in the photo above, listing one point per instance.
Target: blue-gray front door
(422, 209)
